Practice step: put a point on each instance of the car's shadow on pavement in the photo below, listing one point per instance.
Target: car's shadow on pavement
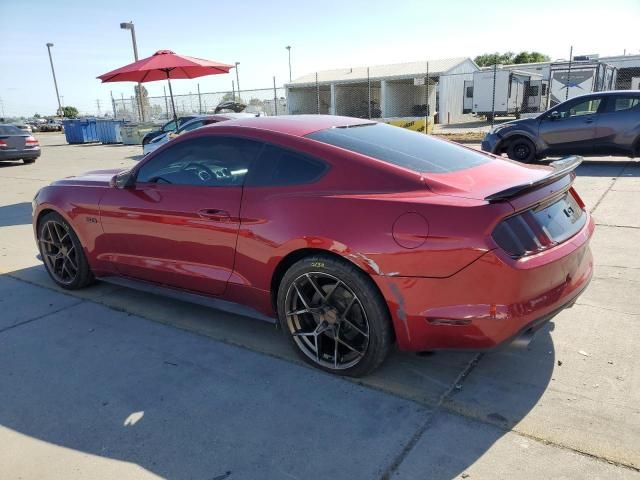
(15, 214)
(13, 163)
(88, 374)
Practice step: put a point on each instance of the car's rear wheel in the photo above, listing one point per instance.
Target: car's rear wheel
(334, 316)
(522, 150)
(62, 253)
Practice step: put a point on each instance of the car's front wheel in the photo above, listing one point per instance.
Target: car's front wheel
(334, 316)
(29, 160)
(62, 253)
(522, 150)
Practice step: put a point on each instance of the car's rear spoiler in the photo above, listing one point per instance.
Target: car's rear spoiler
(561, 168)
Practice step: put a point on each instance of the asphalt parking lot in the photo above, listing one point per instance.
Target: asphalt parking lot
(110, 382)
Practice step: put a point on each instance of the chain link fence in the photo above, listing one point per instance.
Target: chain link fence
(265, 101)
(453, 91)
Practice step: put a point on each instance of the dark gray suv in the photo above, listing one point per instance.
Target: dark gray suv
(603, 123)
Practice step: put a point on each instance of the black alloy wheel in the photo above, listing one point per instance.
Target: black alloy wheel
(62, 253)
(334, 316)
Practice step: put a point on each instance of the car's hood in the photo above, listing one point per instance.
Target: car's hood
(96, 178)
(522, 122)
(486, 179)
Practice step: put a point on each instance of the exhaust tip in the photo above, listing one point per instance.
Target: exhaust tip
(523, 340)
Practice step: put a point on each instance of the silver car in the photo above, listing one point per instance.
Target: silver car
(603, 123)
(192, 124)
(16, 144)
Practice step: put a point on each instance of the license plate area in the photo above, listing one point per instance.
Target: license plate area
(561, 219)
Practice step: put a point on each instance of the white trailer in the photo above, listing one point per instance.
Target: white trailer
(516, 92)
(568, 81)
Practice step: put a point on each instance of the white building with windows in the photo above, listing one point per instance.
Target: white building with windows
(397, 91)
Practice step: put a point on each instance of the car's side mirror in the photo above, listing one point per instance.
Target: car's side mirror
(124, 179)
(554, 115)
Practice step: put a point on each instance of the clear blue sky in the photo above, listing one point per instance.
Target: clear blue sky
(326, 34)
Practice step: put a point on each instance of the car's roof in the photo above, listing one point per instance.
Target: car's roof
(298, 125)
(217, 116)
(609, 93)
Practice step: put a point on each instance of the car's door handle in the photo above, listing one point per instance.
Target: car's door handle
(588, 120)
(215, 214)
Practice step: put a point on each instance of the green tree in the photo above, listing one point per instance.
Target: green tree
(37, 115)
(228, 97)
(70, 112)
(488, 59)
(530, 57)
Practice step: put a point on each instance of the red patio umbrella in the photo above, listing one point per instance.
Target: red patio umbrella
(165, 65)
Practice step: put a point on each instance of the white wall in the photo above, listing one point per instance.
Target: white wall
(451, 92)
(302, 100)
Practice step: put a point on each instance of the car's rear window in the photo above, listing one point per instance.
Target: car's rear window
(403, 147)
(10, 130)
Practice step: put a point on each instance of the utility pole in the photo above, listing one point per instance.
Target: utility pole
(113, 104)
(132, 28)
(55, 82)
(238, 82)
(288, 47)
(98, 105)
(566, 97)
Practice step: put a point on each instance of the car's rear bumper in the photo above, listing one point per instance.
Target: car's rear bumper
(491, 302)
(19, 154)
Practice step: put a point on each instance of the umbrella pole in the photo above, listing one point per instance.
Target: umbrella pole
(173, 105)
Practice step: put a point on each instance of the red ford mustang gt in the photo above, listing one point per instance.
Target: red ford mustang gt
(352, 234)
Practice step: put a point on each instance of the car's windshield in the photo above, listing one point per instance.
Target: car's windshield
(399, 146)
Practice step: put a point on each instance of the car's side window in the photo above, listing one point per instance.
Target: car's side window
(279, 166)
(576, 109)
(169, 126)
(191, 126)
(618, 104)
(209, 161)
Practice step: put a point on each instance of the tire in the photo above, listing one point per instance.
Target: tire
(521, 150)
(66, 262)
(332, 287)
(635, 153)
(28, 161)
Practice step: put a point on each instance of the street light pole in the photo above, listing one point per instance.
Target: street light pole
(238, 81)
(55, 82)
(130, 26)
(288, 47)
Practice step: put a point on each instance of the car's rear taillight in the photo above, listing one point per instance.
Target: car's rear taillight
(31, 142)
(577, 198)
(3, 143)
(541, 227)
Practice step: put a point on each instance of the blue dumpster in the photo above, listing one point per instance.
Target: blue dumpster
(80, 131)
(109, 131)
